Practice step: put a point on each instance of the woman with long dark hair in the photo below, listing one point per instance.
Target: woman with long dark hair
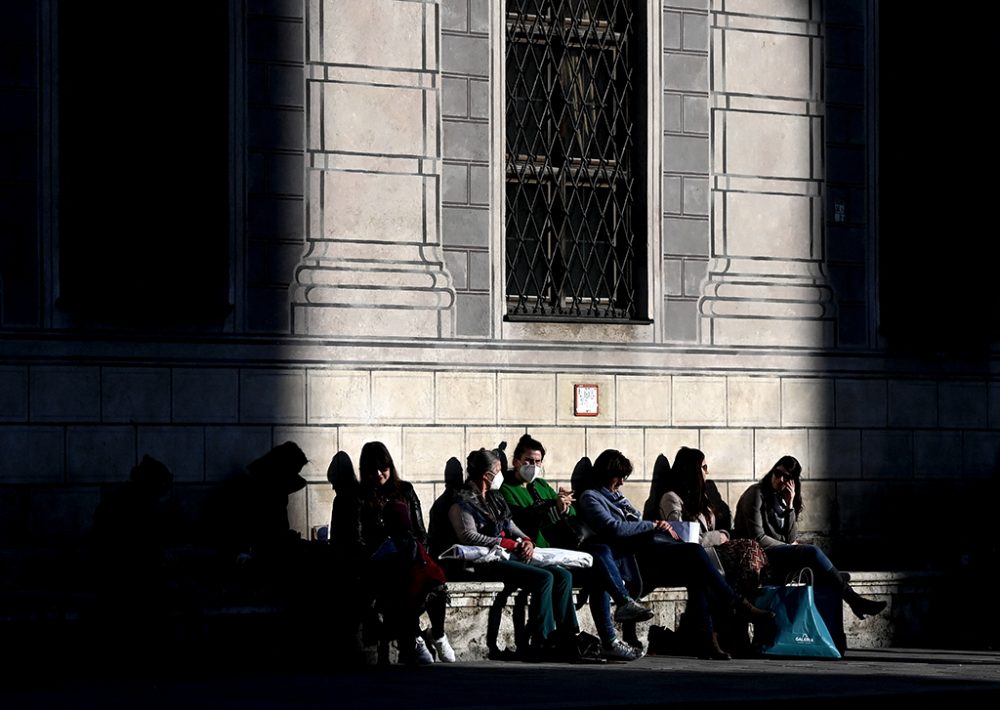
(405, 580)
(663, 559)
(685, 498)
(768, 512)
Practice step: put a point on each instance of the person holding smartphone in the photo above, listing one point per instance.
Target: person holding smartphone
(768, 512)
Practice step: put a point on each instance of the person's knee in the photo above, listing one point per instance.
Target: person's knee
(562, 577)
(690, 554)
(543, 581)
(813, 554)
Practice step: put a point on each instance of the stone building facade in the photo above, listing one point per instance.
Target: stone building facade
(321, 257)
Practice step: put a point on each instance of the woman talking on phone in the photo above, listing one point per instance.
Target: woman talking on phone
(768, 512)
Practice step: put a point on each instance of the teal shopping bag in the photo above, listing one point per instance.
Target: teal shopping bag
(799, 629)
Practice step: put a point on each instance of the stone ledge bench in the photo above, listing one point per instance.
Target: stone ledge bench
(925, 609)
(916, 601)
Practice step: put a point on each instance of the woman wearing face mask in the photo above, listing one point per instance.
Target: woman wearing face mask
(536, 506)
(481, 517)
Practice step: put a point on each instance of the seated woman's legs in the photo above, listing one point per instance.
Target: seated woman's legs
(687, 564)
(538, 582)
(674, 564)
(496, 615)
(605, 575)
(436, 610)
(605, 583)
(787, 559)
(563, 609)
(602, 587)
(437, 606)
(600, 610)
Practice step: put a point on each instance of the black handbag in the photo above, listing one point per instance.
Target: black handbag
(569, 532)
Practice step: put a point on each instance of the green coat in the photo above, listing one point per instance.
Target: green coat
(530, 515)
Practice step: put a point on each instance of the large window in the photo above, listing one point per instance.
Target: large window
(936, 270)
(575, 219)
(144, 162)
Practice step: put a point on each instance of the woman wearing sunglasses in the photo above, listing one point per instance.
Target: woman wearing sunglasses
(768, 511)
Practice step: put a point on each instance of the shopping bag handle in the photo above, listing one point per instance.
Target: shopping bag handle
(801, 578)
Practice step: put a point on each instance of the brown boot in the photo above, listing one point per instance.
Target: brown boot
(751, 613)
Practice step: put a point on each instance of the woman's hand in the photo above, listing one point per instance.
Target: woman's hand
(788, 492)
(566, 499)
(664, 526)
(724, 536)
(525, 549)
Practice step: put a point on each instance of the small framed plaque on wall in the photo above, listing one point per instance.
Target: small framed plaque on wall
(586, 401)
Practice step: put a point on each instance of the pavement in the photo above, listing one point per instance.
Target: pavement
(922, 676)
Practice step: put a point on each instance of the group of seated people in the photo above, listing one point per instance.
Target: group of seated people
(377, 522)
(390, 569)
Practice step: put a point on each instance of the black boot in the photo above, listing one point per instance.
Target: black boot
(710, 650)
(861, 606)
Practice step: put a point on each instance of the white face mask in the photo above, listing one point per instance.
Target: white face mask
(496, 482)
(529, 472)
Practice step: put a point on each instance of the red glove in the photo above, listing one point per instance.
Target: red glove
(508, 544)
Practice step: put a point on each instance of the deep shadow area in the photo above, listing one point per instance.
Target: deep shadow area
(936, 294)
(876, 676)
(149, 592)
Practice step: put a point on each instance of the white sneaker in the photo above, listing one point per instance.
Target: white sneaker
(618, 650)
(445, 653)
(420, 654)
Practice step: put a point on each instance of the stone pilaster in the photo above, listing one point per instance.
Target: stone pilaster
(373, 264)
(766, 281)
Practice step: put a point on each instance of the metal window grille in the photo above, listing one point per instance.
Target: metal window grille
(575, 227)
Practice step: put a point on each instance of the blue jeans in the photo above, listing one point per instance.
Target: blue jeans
(787, 559)
(605, 583)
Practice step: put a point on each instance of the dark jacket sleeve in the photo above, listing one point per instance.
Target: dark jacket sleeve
(416, 512)
(750, 518)
(596, 510)
(345, 525)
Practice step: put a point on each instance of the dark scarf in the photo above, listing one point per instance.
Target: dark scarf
(773, 508)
